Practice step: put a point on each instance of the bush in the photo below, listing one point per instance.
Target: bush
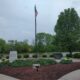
(66, 61)
(52, 56)
(24, 63)
(19, 56)
(4, 64)
(3, 60)
(7, 57)
(26, 56)
(1, 56)
(76, 55)
(68, 55)
(46, 61)
(35, 56)
(44, 56)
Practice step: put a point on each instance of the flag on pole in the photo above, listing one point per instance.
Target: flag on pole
(36, 13)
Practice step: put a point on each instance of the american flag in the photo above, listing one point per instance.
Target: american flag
(36, 13)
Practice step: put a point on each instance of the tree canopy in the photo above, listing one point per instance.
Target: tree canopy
(67, 30)
(44, 42)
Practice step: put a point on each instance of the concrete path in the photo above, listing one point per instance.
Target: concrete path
(75, 75)
(4, 77)
(76, 60)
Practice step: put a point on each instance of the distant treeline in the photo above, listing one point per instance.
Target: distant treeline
(44, 44)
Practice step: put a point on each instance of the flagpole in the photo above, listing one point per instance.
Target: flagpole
(36, 65)
(35, 29)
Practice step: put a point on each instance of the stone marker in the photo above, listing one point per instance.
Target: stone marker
(36, 66)
(12, 56)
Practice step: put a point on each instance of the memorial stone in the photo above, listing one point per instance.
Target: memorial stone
(12, 56)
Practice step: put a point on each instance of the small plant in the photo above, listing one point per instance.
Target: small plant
(1, 56)
(68, 55)
(76, 55)
(44, 56)
(19, 56)
(4, 64)
(7, 57)
(26, 56)
(52, 56)
(66, 61)
(3, 60)
(35, 56)
(46, 61)
(24, 63)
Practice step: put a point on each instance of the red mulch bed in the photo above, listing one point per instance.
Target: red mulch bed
(50, 72)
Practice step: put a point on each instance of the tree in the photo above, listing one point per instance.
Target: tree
(44, 41)
(2, 45)
(67, 30)
(22, 46)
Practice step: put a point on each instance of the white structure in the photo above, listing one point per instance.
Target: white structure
(36, 65)
(30, 55)
(12, 56)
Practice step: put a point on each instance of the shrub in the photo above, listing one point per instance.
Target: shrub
(66, 61)
(35, 56)
(7, 57)
(26, 56)
(3, 60)
(19, 56)
(76, 55)
(1, 56)
(46, 61)
(4, 64)
(44, 56)
(22, 63)
(52, 56)
(68, 55)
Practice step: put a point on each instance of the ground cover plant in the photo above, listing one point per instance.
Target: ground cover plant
(76, 55)
(4, 64)
(68, 61)
(24, 63)
(26, 56)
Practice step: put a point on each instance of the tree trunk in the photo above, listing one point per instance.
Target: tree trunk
(70, 52)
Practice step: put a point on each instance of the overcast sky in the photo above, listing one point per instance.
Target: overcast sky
(17, 17)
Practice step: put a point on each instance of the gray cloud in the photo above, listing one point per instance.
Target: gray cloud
(17, 17)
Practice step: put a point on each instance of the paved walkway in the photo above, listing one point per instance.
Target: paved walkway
(76, 60)
(4, 77)
(75, 75)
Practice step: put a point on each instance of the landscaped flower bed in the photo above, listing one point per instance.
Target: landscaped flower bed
(26, 63)
(50, 72)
